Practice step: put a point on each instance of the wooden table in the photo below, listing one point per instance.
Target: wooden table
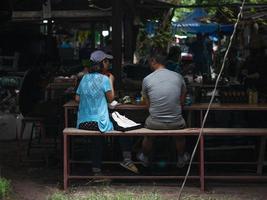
(73, 105)
(52, 87)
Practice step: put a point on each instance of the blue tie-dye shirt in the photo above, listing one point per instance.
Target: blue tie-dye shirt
(93, 104)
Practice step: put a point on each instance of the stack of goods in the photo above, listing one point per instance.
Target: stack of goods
(233, 95)
(9, 87)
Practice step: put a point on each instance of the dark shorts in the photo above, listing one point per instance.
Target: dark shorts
(93, 126)
(156, 125)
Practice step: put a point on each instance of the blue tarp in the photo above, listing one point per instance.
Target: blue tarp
(192, 24)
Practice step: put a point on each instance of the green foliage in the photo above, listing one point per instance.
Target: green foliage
(181, 12)
(5, 188)
(218, 14)
(160, 40)
(227, 1)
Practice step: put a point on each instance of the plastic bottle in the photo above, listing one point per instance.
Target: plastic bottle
(255, 96)
(250, 96)
(188, 100)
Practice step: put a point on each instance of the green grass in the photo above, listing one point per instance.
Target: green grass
(106, 196)
(110, 194)
(58, 196)
(5, 188)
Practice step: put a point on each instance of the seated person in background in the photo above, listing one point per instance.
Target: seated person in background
(164, 92)
(92, 94)
(173, 59)
(32, 93)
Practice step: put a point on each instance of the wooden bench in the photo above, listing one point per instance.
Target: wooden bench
(71, 132)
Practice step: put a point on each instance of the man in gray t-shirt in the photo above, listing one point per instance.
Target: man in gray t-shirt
(164, 88)
(164, 92)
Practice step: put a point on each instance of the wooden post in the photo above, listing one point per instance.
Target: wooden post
(93, 27)
(117, 7)
(129, 31)
(128, 39)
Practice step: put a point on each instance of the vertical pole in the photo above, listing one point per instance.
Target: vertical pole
(117, 9)
(93, 27)
(20, 138)
(66, 117)
(128, 39)
(66, 162)
(202, 165)
(202, 159)
(129, 31)
(261, 155)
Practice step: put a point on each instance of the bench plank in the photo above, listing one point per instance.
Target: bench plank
(136, 132)
(187, 131)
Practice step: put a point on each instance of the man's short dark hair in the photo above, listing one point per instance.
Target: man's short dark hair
(158, 54)
(95, 67)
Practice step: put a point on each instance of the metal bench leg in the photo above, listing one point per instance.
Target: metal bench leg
(66, 161)
(31, 138)
(261, 155)
(20, 139)
(202, 159)
(202, 165)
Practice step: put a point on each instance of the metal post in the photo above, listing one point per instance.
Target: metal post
(66, 162)
(202, 159)
(117, 9)
(261, 155)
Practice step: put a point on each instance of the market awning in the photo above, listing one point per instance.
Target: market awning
(192, 24)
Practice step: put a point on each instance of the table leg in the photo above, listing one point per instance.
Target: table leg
(202, 165)
(261, 155)
(189, 118)
(66, 161)
(202, 159)
(20, 139)
(66, 117)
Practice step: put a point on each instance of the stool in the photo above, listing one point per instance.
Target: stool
(36, 123)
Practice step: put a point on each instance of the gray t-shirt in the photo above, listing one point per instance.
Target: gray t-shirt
(163, 88)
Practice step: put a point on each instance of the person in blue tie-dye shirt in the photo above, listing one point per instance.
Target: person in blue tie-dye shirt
(93, 94)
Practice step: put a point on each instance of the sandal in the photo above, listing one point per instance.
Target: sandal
(99, 180)
(128, 164)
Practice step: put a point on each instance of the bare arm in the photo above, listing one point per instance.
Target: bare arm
(110, 94)
(144, 94)
(146, 100)
(77, 98)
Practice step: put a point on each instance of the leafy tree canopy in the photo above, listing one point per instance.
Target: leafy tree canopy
(180, 12)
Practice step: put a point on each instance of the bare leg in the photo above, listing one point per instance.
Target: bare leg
(147, 146)
(182, 156)
(180, 145)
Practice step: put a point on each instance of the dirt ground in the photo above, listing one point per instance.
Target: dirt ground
(33, 180)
